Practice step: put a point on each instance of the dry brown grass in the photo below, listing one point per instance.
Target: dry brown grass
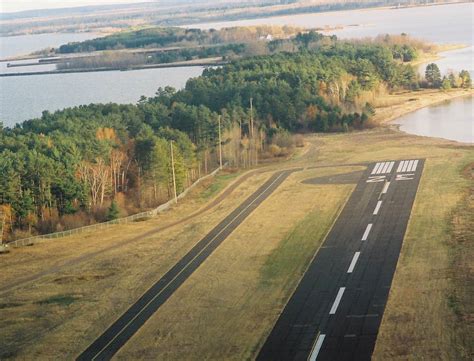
(232, 301)
(39, 320)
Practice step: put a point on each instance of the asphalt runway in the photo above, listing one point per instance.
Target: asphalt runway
(336, 310)
(104, 347)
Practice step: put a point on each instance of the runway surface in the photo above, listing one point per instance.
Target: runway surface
(336, 310)
(104, 347)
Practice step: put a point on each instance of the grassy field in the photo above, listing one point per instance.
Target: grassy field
(229, 305)
(80, 290)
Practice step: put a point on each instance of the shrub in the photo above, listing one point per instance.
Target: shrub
(113, 212)
(275, 150)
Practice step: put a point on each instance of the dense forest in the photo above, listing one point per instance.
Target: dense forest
(161, 37)
(71, 167)
(166, 45)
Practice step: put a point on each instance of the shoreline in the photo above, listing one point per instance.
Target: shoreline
(425, 98)
(273, 14)
(387, 116)
(96, 70)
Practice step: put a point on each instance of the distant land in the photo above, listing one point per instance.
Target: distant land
(112, 18)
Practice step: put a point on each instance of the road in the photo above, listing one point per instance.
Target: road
(104, 347)
(336, 310)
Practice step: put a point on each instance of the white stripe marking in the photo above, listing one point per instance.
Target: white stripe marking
(404, 169)
(335, 305)
(410, 164)
(374, 171)
(380, 168)
(353, 262)
(415, 164)
(377, 208)
(377, 168)
(400, 166)
(367, 231)
(385, 187)
(386, 167)
(389, 170)
(317, 348)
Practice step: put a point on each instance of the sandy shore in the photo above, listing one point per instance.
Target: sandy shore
(393, 106)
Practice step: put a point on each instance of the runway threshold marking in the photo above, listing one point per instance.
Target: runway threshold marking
(286, 343)
(164, 288)
(383, 167)
(353, 262)
(407, 165)
(367, 231)
(335, 305)
(317, 347)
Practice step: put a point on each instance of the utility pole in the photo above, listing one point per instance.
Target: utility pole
(2, 225)
(172, 171)
(220, 143)
(253, 141)
(251, 118)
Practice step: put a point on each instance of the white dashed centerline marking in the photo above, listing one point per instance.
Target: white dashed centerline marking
(367, 231)
(335, 305)
(353, 262)
(317, 348)
(377, 208)
(385, 187)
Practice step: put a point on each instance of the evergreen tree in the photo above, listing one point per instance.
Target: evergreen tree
(433, 75)
(465, 77)
(113, 212)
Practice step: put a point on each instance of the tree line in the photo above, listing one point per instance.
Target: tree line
(89, 163)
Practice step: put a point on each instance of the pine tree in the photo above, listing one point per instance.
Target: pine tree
(433, 75)
(113, 212)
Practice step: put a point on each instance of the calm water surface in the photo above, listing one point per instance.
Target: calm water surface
(450, 120)
(26, 44)
(25, 97)
(441, 24)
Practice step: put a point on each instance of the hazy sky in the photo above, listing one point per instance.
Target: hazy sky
(20, 5)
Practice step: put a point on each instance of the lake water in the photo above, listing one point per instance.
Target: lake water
(450, 120)
(26, 44)
(27, 96)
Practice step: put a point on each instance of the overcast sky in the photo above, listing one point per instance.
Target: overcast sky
(20, 5)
